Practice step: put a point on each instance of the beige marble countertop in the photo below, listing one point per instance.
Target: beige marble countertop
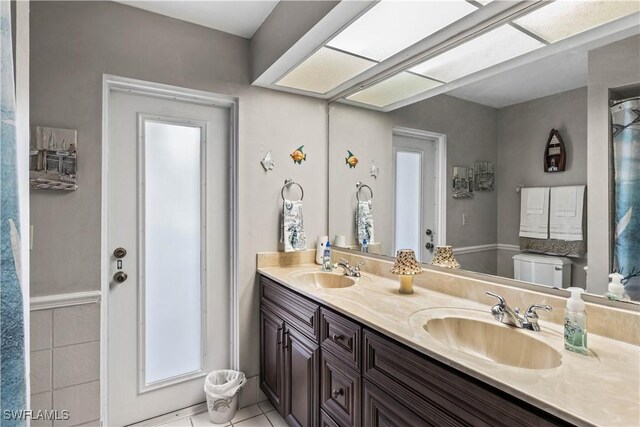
(602, 388)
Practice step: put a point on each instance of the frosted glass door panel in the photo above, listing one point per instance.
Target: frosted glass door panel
(408, 212)
(172, 250)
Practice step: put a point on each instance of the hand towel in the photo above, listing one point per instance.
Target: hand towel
(293, 226)
(364, 221)
(534, 212)
(566, 220)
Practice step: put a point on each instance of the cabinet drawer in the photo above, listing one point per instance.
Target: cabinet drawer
(439, 388)
(341, 337)
(380, 410)
(326, 420)
(339, 391)
(297, 311)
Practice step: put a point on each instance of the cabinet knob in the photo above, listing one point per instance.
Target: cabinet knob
(336, 393)
(337, 337)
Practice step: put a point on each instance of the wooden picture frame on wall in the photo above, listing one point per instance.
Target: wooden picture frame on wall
(555, 154)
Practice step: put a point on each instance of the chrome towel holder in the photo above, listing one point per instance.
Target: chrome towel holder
(287, 184)
(360, 186)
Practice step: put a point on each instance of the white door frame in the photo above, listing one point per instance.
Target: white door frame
(441, 177)
(112, 83)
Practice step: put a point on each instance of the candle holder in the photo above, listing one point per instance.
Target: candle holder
(406, 266)
(443, 257)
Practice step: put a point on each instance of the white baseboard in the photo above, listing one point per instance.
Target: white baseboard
(64, 300)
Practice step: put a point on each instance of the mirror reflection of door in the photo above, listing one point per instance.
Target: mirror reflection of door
(415, 204)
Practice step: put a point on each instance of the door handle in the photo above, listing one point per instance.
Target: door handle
(120, 253)
(429, 246)
(120, 277)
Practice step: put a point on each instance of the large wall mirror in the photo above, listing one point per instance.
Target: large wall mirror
(528, 167)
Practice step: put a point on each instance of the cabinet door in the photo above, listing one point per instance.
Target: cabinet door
(271, 358)
(301, 360)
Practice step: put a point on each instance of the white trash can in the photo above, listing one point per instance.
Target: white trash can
(222, 388)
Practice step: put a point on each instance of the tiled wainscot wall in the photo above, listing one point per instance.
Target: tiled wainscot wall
(65, 359)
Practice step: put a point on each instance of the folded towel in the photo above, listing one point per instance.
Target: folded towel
(566, 220)
(293, 226)
(536, 198)
(364, 221)
(534, 212)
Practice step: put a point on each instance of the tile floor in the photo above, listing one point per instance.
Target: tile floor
(261, 414)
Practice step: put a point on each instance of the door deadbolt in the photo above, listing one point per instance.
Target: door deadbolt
(120, 277)
(120, 253)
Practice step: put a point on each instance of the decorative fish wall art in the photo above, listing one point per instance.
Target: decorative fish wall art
(351, 160)
(298, 155)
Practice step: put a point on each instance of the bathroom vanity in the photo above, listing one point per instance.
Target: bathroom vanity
(341, 351)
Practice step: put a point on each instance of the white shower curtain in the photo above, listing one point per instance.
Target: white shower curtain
(12, 340)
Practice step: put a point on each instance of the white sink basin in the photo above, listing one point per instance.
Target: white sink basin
(494, 341)
(321, 279)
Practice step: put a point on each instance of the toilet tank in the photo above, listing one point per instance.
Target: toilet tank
(542, 269)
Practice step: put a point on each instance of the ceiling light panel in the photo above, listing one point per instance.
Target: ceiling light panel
(563, 18)
(391, 26)
(396, 88)
(482, 52)
(325, 70)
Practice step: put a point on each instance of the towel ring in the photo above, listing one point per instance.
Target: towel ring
(288, 183)
(360, 186)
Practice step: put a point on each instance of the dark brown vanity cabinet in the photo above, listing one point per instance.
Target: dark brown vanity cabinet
(320, 368)
(289, 354)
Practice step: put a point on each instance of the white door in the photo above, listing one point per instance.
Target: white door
(168, 207)
(415, 209)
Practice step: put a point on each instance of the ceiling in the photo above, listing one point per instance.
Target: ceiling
(241, 18)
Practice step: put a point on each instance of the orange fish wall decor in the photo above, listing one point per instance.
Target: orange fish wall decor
(298, 155)
(352, 160)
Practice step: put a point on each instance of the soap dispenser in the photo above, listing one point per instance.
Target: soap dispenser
(327, 265)
(616, 288)
(575, 323)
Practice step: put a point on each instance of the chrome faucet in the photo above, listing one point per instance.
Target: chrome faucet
(505, 314)
(351, 271)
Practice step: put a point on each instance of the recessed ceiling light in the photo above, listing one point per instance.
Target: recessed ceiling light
(484, 51)
(325, 70)
(396, 88)
(391, 26)
(563, 18)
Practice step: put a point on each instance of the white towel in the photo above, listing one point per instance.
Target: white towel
(293, 226)
(364, 221)
(534, 212)
(566, 213)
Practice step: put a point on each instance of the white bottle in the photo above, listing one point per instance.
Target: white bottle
(616, 288)
(327, 264)
(575, 323)
(320, 248)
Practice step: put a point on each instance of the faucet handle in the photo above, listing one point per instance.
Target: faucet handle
(531, 311)
(344, 261)
(502, 300)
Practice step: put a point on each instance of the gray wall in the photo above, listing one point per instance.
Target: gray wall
(369, 135)
(523, 130)
(614, 66)
(471, 135)
(72, 45)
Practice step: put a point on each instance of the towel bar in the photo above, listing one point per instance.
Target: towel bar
(288, 183)
(360, 186)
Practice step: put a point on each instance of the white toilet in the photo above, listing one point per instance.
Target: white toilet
(542, 269)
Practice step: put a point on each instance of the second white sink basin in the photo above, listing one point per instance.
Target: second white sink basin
(494, 342)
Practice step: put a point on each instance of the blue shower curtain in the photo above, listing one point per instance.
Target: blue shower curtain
(625, 120)
(12, 340)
